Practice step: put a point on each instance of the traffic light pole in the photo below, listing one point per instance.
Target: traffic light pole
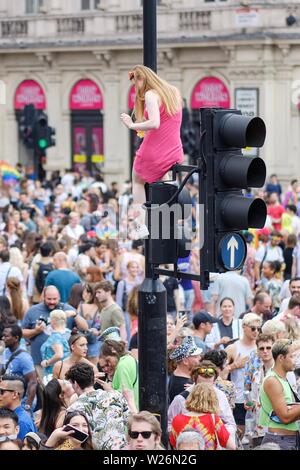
(36, 164)
(152, 331)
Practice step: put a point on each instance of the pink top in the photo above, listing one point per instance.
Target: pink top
(161, 148)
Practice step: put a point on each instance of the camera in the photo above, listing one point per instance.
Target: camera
(41, 320)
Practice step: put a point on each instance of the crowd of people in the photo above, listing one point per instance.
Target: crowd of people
(69, 278)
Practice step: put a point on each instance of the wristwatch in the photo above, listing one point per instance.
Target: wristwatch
(27, 407)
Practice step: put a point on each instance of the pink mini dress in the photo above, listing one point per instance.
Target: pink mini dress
(161, 148)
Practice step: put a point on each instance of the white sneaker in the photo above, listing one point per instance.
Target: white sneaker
(140, 233)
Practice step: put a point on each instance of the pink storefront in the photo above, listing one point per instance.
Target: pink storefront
(86, 106)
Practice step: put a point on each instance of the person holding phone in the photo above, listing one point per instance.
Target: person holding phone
(226, 329)
(74, 434)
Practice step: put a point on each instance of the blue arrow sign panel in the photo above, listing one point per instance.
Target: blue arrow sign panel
(233, 251)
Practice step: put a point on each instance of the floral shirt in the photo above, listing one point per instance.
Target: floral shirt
(107, 413)
(253, 378)
(228, 388)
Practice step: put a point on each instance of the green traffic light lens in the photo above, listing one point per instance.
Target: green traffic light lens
(42, 143)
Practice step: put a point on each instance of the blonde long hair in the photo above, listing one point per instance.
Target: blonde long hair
(168, 94)
(203, 399)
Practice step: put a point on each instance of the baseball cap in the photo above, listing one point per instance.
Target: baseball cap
(112, 332)
(187, 348)
(203, 317)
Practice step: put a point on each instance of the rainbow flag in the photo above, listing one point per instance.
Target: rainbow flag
(8, 173)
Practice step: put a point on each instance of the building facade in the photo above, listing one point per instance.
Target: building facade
(71, 58)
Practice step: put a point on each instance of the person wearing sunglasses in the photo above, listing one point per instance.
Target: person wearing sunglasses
(260, 362)
(12, 389)
(144, 432)
(280, 406)
(238, 354)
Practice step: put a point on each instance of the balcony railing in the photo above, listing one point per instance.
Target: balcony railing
(194, 20)
(70, 25)
(129, 23)
(13, 29)
(113, 25)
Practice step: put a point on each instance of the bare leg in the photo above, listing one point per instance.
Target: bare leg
(138, 189)
(139, 198)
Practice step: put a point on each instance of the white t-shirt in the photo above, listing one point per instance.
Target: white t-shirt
(274, 253)
(74, 232)
(234, 286)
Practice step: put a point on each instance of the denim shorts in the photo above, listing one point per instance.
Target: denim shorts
(285, 442)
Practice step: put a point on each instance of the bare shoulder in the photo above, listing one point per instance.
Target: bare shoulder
(271, 383)
(152, 95)
(230, 350)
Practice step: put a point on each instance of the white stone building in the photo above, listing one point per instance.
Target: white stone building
(71, 58)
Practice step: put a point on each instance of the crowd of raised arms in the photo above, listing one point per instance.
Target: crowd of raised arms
(70, 271)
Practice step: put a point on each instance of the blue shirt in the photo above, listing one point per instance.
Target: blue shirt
(21, 365)
(29, 322)
(47, 350)
(26, 423)
(183, 265)
(63, 280)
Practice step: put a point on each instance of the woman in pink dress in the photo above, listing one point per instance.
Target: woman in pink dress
(158, 113)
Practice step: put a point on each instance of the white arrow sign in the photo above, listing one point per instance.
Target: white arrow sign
(232, 246)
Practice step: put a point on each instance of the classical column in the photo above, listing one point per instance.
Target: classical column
(116, 156)
(58, 157)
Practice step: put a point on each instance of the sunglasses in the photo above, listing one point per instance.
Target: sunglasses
(12, 437)
(130, 75)
(207, 371)
(265, 348)
(255, 328)
(3, 390)
(135, 434)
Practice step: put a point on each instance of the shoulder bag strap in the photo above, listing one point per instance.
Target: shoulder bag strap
(12, 357)
(262, 261)
(294, 394)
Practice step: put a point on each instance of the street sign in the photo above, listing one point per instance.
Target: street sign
(233, 251)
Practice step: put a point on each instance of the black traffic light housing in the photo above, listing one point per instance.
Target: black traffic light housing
(225, 173)
(43, 134)
(26, 125)
(168, 211)
(36, 134)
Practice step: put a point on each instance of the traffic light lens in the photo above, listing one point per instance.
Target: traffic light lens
(239, 212)
(243, 172)
(257, 214)
(255, 133)
(240, 131)
(42, 143)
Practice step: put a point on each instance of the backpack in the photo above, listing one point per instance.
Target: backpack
(42, 273)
